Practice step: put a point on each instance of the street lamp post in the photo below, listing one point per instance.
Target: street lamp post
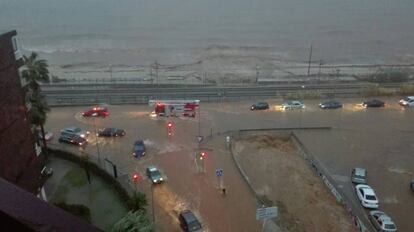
(152, 203)
(96, 138)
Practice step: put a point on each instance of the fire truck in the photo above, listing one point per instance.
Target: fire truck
(167, 108)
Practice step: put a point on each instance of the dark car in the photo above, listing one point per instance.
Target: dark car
(139, 148)
(189, 222)
(72, 139)
(96, 112)
(412, 185)
(373, 103)
(154, 175)
(332, 104)
(260, 106)
(111, 132)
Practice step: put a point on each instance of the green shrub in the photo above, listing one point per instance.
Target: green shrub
(376, 90)
(303, 95)
(388, 75)
(133, 221)
(81, 211)
(407, 89)
(138, 201)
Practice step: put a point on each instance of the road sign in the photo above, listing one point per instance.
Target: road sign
(219, 172)
(199, 138)
(266, 213)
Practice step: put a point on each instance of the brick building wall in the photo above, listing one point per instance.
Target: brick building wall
(19, 163)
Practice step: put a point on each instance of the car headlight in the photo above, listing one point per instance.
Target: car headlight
(134, 154)
(161, 179)
(155, 181)
(82, 135)
(143, 153)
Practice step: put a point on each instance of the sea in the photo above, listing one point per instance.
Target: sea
(139, 32)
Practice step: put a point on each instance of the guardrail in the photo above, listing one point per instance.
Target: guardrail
(341, 198)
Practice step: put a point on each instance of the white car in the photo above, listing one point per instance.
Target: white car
(70, 131)
(366, 196)
(290, 105)
(407, 101)
(382, 222)
(48, 135)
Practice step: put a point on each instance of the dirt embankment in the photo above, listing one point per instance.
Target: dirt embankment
(277, 171)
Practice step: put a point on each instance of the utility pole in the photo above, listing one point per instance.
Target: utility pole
(257, 73)
(156, 72)
(310, 60)
(97, 141)
(319, 72)
(110, 73)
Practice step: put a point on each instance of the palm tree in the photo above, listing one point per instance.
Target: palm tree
(35, 71)
(37, 114)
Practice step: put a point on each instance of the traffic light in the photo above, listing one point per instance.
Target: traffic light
(135, 177)
(203, 155)
(169, 128)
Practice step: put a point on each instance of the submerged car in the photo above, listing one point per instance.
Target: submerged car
(139, 149)
(366, 196)
(407, 101)
(154, 175)
(111, 132)
(359, 176)
(332, 104)
(98, 111)
(189, 222)
(381, 221)
(72, 139)
(373, 103)
(290, 105)
(260, 106)
(74, 131)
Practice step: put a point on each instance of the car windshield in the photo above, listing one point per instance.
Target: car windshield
(76, 130)
(194, 225)
(139, 147)
(371, 197)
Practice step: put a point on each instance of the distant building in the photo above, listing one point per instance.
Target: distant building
(21, 159)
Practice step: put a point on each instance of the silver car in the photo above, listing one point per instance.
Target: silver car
(381, 221)
(70, 131)
(290, 105)
(359, 176)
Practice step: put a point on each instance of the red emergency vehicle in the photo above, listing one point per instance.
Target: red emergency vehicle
(167, 108)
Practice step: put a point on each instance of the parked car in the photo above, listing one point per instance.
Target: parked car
(154, 175)
(366, 196)
(407, 101)
(48, 135)
(373, 103)
(72, 139)
(189, 222)
(139, 149)
(110, 132)
(332, 104)
(75, 131)
(290, 105)
(412, 185)
(98, 111)
(359, 176)
(381, 221)
(260, 106)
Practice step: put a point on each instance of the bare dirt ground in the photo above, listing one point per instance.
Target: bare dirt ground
(277, 171)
